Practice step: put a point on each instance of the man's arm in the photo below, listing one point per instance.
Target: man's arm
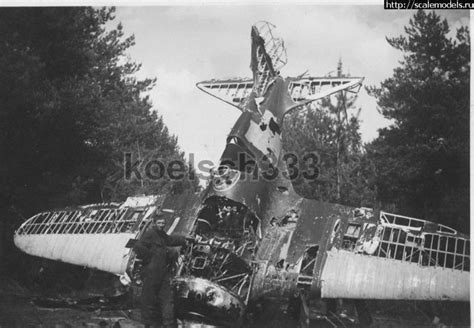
(175, 240)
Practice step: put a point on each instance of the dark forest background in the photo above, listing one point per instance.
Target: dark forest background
(70, 106)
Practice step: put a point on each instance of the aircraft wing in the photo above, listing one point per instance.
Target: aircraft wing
(100, 236)
(336, 251)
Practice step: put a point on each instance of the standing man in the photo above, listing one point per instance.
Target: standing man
(158, 261)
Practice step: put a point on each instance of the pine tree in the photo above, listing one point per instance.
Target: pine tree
(70, 107)
(422, 160)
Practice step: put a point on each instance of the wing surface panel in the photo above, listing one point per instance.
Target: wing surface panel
(106, 252)
(185, 207)
(352, 275)
(94, 236)
(338, 251)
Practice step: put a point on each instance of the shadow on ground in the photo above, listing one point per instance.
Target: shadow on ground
(19, 307)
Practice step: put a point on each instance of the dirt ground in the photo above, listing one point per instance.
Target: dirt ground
(17, 309)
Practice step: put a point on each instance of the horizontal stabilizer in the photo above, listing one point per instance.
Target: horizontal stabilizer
(233, 92)
(302, 90)
(308, 89)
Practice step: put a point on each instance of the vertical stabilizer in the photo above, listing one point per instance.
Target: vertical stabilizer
(268, 56)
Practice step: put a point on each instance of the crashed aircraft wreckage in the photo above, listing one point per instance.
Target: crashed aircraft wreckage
(256, 238)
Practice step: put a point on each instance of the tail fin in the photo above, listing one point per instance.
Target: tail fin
(268, 56)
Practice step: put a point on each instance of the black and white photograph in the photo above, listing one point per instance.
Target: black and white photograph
(205, 165)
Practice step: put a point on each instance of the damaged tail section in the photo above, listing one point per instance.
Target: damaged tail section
(268, 56)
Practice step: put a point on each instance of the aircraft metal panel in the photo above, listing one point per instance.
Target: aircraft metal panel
(279, 101)
(242, 124)
(272, 281)
(249, 191)
(266, 141)
(282, 197)
(350, 275)
(314, 225)
(185, 206)
(281, 202)
(105, 252)
(274, 245)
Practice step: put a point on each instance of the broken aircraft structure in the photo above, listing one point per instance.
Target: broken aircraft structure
(257, 238)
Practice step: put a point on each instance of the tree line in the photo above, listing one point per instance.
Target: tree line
(419, 165)
(70, 107)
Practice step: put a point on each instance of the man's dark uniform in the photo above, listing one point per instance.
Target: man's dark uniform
(152, 249)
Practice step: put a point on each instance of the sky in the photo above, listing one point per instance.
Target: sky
(182, 45)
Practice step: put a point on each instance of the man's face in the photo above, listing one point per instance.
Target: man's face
(160, 223)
